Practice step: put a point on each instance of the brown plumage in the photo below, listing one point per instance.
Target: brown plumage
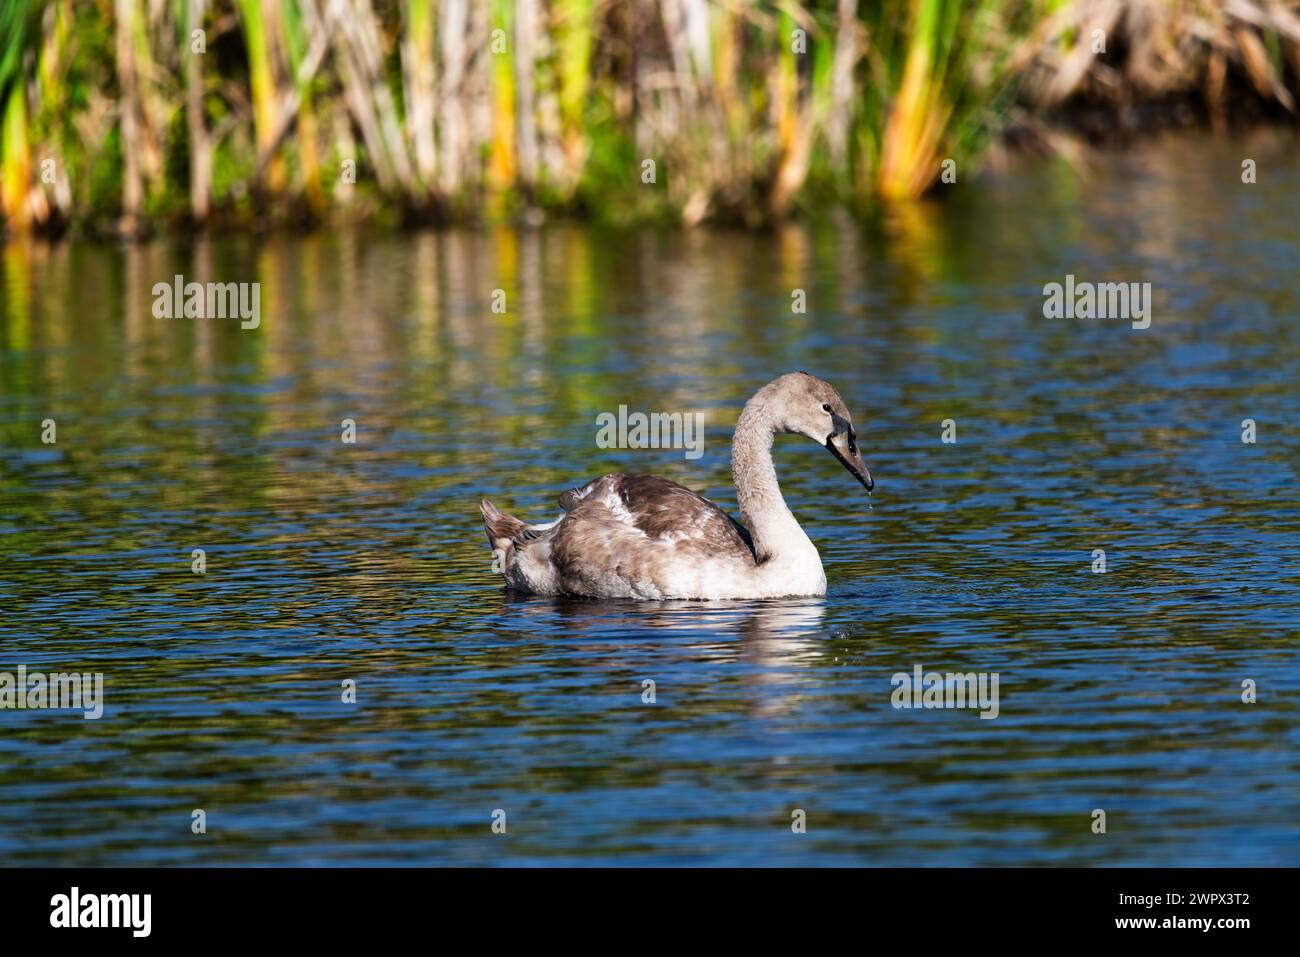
(656, 507)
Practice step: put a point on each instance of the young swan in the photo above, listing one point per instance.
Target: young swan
(643, 537)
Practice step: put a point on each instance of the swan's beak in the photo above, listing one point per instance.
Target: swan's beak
(845, 449)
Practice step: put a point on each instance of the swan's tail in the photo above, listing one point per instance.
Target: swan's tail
(502, 529)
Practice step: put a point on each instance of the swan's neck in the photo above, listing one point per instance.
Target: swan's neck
(778, 539)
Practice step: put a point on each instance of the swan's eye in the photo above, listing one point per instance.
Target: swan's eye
(825, 408)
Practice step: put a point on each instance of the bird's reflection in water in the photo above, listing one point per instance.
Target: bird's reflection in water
(775, 641)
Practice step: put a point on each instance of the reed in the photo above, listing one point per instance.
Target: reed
(15, 154)
(751, 111)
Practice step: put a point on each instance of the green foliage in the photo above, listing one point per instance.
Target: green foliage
(742, 127)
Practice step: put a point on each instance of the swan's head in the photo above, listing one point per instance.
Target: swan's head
(808, 406)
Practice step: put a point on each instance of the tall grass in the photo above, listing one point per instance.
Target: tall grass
(432, 109)
(15, 155)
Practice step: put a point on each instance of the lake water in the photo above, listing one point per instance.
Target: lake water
(328, 561)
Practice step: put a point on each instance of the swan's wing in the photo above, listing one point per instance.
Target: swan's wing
(646, 508)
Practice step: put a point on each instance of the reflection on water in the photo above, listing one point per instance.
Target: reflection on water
(328, 561)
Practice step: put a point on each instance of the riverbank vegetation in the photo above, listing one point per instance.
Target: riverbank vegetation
(123, 116)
